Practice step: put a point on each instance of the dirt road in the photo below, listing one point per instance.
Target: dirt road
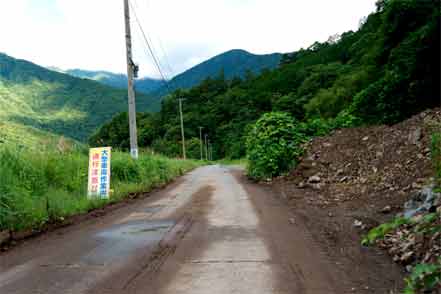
(209, 232)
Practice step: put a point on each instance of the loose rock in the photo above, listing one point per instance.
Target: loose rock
(386, 209)
(314, 179)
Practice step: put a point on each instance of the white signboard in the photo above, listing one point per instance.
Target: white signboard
(99, 173)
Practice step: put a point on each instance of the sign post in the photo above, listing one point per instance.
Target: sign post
(99, 173)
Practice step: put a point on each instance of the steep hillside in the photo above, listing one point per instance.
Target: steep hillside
(16, 134)
(233, 63)
(383, 73)
(37, 97)
(144, 85)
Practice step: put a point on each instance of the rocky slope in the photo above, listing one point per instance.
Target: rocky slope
(355, 179)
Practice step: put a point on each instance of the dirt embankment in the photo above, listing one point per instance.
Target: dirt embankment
(355, 179)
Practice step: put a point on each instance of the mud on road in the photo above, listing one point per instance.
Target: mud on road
(210, 232)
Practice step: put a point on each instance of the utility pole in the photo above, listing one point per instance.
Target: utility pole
(200, 141)
(206, 147)
(131, 91)
(182, 128)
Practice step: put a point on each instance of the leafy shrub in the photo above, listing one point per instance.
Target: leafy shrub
(424, 278)
(380, 231)
(273, 145)
(345, 119)
(316, 127)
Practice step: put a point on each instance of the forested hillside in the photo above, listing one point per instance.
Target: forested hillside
(382, 73)
(233, 63)
(34, 96)
(144, 85)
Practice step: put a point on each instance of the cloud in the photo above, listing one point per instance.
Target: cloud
(89, 34)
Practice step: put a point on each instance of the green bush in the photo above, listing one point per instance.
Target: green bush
(424, 278)
(273, 145)
(345, 119)
(316, 127)
(380, 231)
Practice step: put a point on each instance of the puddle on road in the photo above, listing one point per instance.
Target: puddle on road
(153, 209)
(120, 241)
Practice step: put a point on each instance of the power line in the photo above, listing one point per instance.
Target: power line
(158, 38)
(165, 55)
(150, 49)
(152, 44)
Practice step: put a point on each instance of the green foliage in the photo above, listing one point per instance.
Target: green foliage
(424, 278)
(29, 137)
(115, 133)
(40, 187)
(410, 83)
(384, 72)
(33, 96)
(436, 157)
(380, 231)
(346, 120)
(427, 224)
(273, 145)
(316, 127)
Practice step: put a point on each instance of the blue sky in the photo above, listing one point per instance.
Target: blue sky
(89, 34)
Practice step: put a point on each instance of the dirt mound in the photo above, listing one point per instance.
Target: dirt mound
(355, 179)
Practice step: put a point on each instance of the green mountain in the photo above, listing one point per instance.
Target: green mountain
(36, 97)
(144, 85)
(382, 73)
(233, 63)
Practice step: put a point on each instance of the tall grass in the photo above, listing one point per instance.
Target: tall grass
(40, 187)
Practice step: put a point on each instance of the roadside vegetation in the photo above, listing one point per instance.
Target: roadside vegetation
(273, 138)
(47, 186)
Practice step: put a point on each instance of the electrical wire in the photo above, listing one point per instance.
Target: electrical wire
(158, 38)
(149, 47)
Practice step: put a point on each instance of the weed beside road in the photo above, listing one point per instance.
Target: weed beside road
(41, 187)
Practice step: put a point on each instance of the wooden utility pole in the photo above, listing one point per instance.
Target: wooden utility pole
(182, 128)
(200, 141)
(131, 91)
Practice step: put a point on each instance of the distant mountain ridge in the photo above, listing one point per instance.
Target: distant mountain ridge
(233, 63)
(144, 85)
(35, 96)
